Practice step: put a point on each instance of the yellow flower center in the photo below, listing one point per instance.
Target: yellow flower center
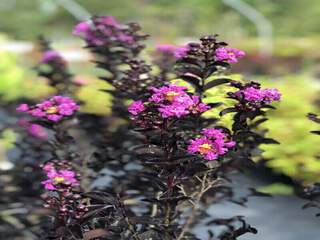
(58, 179)
(52, 110)
(170, 95)
(205, 148)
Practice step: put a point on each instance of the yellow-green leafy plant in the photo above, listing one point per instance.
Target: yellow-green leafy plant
(295, 156)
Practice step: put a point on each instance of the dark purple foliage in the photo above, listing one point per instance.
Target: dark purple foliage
(143, 172)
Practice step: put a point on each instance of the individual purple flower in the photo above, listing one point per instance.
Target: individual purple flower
(33, 129)
(23, 108)
(81, 29)
(176, 51)
(136, 107)
(197, 106)
(230, 55)
(173, 110)
(54, 117)
(213, 133)
(48, 167)
(204, 147)
(65, 109)
(211, 145)
(38, 131)
(49, 56)
(87, 31)
(37, 113)
(171, 93)
(54, 109)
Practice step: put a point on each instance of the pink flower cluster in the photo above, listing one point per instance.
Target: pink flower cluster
(51, 55)
(229, 55)
(257, 95)
(54, 109)
(211, 145)
(170, 101)
(102, 29)
(58, 178)
(176, 51)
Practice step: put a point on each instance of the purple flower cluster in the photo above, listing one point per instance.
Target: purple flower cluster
(170, 101)
(229, 55)
(54, 109)
(101, 30)
(211, 145)
(176, 51)
(267, 95)
(58, 179)
(50, 56)
(251, 96)
(63, 180)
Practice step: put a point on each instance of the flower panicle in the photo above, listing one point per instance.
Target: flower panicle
(63, 195)
(103, 30)
(252, 97)
(54, 109)
(230, 55)
(170, 101)
(59, 176)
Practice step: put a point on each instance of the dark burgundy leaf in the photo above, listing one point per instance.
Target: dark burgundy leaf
(96, 233)
(216, 82)
(228, 110)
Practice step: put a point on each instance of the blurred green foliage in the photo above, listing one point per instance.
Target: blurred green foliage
(190, 17)
(16, 82)
(305, 47)
(7, 138)
(94, 100)
(277, 189)
(295, 156)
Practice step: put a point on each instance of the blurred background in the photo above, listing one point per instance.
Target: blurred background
(281, 39)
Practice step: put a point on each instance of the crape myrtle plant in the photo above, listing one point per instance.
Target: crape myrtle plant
(54, 68)
(154, 175)
(40, 141)
(23, 211)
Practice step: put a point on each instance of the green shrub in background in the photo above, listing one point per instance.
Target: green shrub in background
(94, 100)
(16, 82)
(295, 156)
(19, 82)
